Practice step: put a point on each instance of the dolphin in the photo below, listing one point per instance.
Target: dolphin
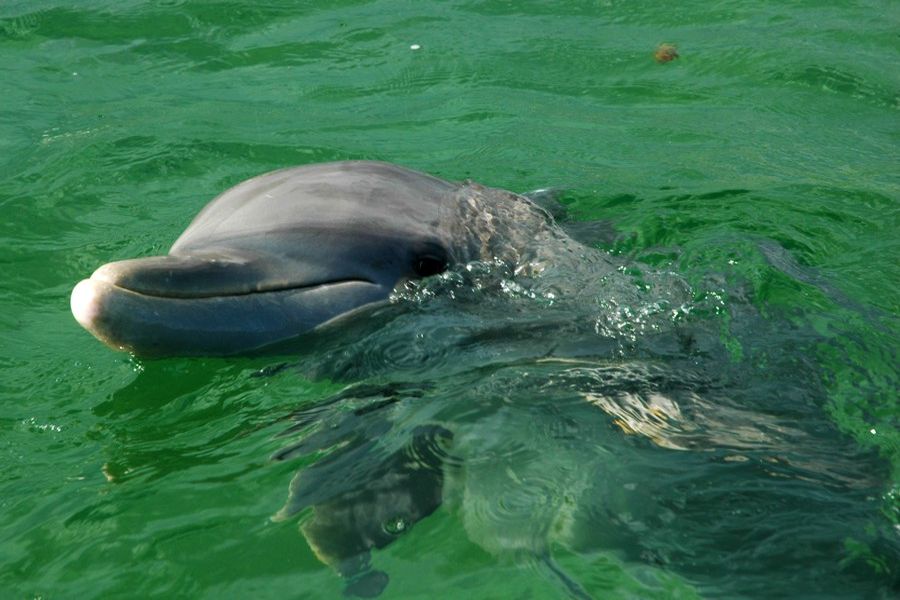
(286, 252)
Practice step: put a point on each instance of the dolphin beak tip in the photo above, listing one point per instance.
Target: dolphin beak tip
(90, 303)
(85, 303)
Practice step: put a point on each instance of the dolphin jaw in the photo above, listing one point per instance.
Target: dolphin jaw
(210, 276)
(153, 326)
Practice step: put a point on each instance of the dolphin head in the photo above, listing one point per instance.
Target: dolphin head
(272, 258)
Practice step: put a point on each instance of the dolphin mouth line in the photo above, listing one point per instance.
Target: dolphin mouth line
(212, 324)
(175, 294)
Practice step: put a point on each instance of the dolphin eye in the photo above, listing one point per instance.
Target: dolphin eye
(395, 525)
(428, 265)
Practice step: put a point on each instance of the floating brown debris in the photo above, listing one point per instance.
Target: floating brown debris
(665, 53)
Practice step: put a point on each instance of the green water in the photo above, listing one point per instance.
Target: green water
(761, 167)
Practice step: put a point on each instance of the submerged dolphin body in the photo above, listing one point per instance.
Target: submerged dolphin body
(381, 469)
(388, 492)
(285, 252)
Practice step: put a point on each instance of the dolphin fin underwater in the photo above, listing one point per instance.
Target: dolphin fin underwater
(363, 496)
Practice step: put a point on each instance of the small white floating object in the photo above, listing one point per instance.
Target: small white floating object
(415, 47)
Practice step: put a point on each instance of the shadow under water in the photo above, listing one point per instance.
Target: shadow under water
(583, 401)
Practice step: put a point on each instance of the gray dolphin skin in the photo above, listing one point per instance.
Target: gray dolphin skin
(277, 256)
